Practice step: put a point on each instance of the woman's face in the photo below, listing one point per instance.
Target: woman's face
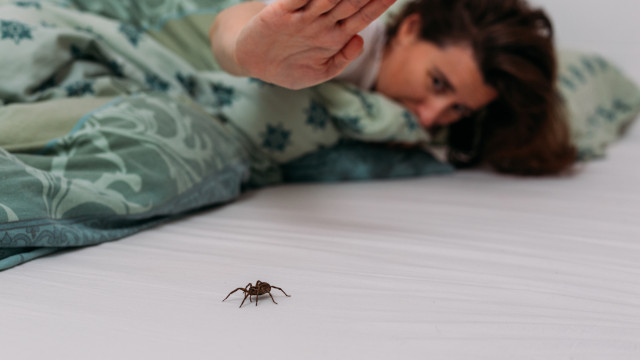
(439, 85)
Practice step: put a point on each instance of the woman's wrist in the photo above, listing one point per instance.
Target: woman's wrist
(225, 32)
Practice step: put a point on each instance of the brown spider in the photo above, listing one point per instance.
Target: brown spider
(257, 290)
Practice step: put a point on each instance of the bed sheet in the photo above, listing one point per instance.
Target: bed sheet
(469, 266)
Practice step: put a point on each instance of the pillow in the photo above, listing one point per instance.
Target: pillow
(601, 101)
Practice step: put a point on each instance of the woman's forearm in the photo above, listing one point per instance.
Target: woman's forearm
(224, 34)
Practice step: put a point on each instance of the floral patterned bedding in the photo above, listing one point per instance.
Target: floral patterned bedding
(106, 129)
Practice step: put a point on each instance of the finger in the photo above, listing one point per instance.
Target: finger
(360, 20)
(353, 49)
(291, 5)
(345, 9)
(347, 54)
(319, 7)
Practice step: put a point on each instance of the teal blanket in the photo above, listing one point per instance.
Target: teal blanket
(135, 162)
(109, 125)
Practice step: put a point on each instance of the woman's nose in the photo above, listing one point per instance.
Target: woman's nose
(431, 111)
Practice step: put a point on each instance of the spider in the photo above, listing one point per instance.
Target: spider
(257, 290)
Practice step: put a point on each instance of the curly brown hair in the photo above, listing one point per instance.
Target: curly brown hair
(524, 131)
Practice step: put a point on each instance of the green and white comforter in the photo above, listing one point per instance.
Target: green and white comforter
(113, 117)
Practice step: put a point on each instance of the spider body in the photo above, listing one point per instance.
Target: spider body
(260, 288)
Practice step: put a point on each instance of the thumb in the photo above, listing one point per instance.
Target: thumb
(349, 52)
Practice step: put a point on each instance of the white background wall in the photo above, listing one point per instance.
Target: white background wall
(608, 27)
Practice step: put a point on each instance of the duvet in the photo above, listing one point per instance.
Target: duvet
(108, 128)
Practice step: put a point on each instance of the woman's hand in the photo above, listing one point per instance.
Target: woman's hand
(293, 43)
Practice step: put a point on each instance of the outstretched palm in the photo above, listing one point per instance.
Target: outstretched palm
(301, 43)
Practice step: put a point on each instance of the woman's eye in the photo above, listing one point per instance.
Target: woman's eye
(437, 84)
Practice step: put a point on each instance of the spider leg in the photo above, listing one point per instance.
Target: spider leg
(275, 287)
(233, 292)
(272, 298)
(245, 298)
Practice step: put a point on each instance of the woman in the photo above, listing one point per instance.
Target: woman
(484, 69)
